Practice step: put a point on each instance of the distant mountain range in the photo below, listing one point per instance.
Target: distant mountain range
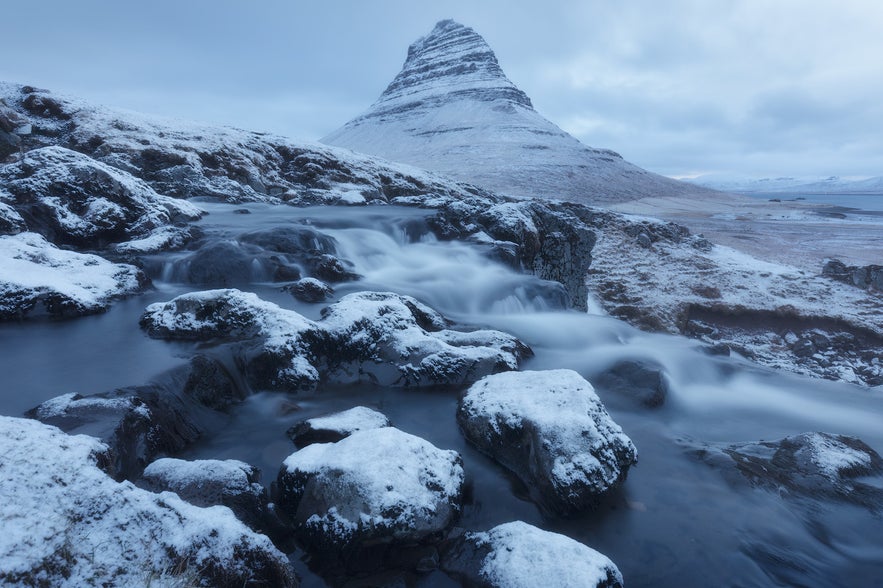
(452, 110)
(789, 185)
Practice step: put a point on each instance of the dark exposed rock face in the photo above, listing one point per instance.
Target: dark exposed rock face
(819, 465)
(870, 276)
(377, 492)
(310, 290)
(518, 554)
(369, 336)
(141, 423)
(551, 430)
(644, 382)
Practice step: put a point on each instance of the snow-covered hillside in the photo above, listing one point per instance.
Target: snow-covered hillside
(791, 185)
(452, 109)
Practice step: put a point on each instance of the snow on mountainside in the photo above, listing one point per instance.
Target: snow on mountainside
(790, 185)
(452, 109)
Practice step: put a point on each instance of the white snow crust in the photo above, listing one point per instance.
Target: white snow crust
(380, 480)
(573, 428)
(523, 556)
(358, 418)
(30, 263)
(66, 523)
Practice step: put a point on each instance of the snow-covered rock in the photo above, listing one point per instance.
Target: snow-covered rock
(367, 336)
(183, 159)
(518, 555)
(73, 199)
(334, 427)
(869, 276)
(451, 109)
(37, 278)
(683, 284)
(310, 290)
(551, 430)
(141, 423)
(382, 486)
(66, 523)
(210, 482)
(811, 464)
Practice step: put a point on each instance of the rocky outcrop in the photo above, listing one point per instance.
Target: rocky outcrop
(370, 495)
(334, 427)
(72, 199)
(817, 465)
(210, 482)
(551, 430)
(141, 423)
(39, 279)
(518, 555)
(451, 109)
(368, 336)
(67, 523)
(867, 277)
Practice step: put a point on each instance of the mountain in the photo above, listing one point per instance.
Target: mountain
(790, 185)
(451, 109)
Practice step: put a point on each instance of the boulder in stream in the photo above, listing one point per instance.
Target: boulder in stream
(551, 430)
(334, 427)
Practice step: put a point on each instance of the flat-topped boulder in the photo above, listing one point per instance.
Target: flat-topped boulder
(67, 523)
(378, 337)
(552, 431)
(518, 555)
(380, 487)
(39, 279)
(209, 482)
(334, 427)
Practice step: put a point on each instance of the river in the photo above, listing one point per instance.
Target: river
(675, 522)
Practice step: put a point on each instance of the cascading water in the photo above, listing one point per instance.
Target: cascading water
(676, 521)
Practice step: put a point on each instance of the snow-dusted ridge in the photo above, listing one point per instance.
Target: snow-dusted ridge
(451, 109)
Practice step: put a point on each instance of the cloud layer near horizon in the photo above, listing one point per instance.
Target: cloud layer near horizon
(683, 87)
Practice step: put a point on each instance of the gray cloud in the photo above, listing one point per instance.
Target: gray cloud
(680, 87)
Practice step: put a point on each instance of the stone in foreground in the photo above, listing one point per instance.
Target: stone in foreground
(210, 482)
(37, 278)
(518, 555)
(378, 488)
(334, 427)
(66, 523)
(551, 430)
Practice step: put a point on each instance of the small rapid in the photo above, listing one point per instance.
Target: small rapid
(675, 522)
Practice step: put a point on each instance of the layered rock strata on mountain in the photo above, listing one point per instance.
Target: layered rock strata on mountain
(552, 431)
(67, 523)
(451, 109)
(376, 337)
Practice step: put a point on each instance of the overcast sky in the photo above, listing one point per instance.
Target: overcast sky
(682, 87)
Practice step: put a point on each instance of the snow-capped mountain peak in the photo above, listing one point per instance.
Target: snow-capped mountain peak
(452, 109)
